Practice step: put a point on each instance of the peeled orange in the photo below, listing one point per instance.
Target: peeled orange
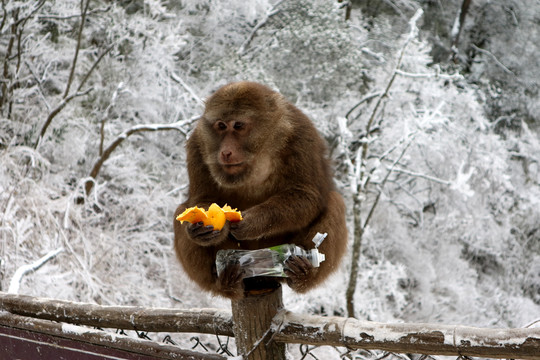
(192, 215)
(215, 215)
(231, 214)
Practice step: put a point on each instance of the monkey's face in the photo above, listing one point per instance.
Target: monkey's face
(241, 131)
(234, 150)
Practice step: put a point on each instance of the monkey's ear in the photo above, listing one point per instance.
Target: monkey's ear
(271, 103)
(274, 102)
(278, 105)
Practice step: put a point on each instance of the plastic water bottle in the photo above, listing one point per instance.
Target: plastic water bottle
(265, 262)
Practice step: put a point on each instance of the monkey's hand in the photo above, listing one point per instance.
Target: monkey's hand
(300, 273)
(249, 228)
(206, 235)
(229, 283)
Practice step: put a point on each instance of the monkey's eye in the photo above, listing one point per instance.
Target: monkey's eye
(238, 125)
(220, 125)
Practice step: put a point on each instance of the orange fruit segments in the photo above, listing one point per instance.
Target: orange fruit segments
(215, 215)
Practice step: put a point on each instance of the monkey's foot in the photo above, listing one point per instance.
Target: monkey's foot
(230, 282)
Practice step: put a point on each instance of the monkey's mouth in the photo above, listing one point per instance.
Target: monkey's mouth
(233, 169)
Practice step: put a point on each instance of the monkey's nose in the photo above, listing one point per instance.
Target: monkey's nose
(226, 155)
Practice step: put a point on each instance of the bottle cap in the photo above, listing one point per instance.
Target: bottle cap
(318, 239)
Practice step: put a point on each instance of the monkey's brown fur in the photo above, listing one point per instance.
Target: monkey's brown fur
(259, 153)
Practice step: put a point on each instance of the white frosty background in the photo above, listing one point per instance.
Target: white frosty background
(453, 239)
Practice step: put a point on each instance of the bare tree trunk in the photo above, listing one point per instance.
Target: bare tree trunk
(458, 23)
(252, 317)
(356, 249)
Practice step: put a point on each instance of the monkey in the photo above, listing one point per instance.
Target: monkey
(257, 152)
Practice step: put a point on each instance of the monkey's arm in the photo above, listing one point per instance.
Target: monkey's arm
(288, 211)
(199, 263)
(303, 276)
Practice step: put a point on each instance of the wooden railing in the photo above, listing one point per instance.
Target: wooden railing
(260, 325)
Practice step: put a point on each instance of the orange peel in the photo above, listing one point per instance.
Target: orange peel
(215, 215)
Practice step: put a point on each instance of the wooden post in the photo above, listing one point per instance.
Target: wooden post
(252, 317)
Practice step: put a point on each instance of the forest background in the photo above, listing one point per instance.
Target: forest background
(432, 120)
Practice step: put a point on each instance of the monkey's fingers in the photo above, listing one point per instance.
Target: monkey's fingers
(199, 229)
(300, 273)
(297, 266)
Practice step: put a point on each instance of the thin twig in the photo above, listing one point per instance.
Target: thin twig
(67, 17)
(412, 34)
(260, 341)
(84, 9)
(363, 100)
(55, 112)
(271, 12)
(423, 176)
(383, 183)
(39, 85)
(67, 99)
(4, 17)
(106, 115)
(500, 64)
(36, 8)
(531, 324)
(94, 66)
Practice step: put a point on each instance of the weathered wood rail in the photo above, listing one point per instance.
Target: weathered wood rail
(286, 327)
(23, 337)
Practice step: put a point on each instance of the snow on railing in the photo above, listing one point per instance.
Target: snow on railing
(285, 327)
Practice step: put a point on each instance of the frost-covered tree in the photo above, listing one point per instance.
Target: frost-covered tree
(453, 236)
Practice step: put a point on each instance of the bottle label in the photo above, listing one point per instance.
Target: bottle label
(264, 262)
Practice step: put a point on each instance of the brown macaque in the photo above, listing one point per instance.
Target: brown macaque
(255, 151)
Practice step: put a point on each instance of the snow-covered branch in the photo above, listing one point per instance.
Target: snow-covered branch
(179, 80)
(178, 126)
(437, 75)
(25, 269)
